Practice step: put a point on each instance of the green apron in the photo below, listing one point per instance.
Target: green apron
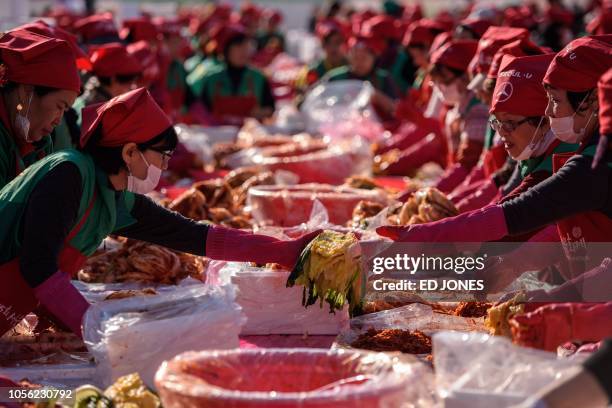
(109, 211)
(11, 161)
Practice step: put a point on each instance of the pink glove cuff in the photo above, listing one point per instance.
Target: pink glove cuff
(63, 300)
(452, 178)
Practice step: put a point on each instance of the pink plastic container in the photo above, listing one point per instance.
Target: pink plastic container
(287, 206)
(283, 378)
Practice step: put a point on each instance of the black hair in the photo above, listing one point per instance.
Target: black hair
(535, 120)
(436, 70)
(576, 98)
(106, 81)
(39, 90)
(110, 159)
(237, 39)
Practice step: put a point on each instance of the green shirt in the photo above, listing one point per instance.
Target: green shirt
(110, 211)
(218, 83)
(195, 78)
(544, 162)
(11, 161)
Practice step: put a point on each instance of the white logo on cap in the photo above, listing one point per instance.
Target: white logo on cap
(505, 92)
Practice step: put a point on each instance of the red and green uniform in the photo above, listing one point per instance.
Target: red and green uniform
(176, 83)
(232, 97)
(195, 77)
(15, 159)
(379, 78)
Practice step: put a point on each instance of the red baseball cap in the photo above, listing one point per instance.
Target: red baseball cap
(327, 27)
(492, 40)
(476, 26)
(440, 40)
(113, 59)
(42, 28)
(96, 26)
(521, 17)
(273, 16)
(138, 29)
(580, 64)
(422, 32)
(605, 103)
(455, 54)
(383, 27)
(227, 33)
(376, 45)
(131, 117)
(518, 48)
(142, 52)
(34, 59)
(519, 89)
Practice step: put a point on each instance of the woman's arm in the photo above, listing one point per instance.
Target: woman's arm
(158, 225)
(575, 188)
(51, 212)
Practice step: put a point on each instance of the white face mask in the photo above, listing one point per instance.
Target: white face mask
(139, 186)
(535, 148)
(450, 93)
(22, 123)
(563, 128)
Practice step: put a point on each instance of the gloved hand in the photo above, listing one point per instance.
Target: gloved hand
(428, 149)
(452, 178)
(486, 224)
(230, 244)
(501, 271)
(63, 301)
(484, 195)
(554, 324)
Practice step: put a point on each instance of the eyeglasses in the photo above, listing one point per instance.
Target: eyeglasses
(506, 125)
(166, 154)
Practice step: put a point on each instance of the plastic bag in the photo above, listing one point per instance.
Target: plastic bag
(272, 308)
(137, 334)
(294, 378)
(415, 316)
(477, 370)
(331, 165)
(292, 205)
(331, 103)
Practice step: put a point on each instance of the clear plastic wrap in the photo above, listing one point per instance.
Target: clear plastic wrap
(283, 378)
(272, 308)
(137, 334)
(415, 316)
(288, 206)
(332, 165)
(332, 103)
(477, 370)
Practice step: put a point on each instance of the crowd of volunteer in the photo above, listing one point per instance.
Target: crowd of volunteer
(515, 104)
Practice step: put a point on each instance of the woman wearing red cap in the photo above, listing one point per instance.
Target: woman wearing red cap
(271, 39)
(114, 71)
(363, 51)
(577, 197)
(332, 38)
(234, 91)
(465, 123)
(125, 145)
(38, 82)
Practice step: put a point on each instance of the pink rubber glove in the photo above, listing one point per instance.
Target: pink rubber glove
(501, 271)
(591, 286)
(452, 178)
(486, 224)
(63, 301)
(554, 324)
(430, 148)
(228, 244)
(464, 190)
(478, 199)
